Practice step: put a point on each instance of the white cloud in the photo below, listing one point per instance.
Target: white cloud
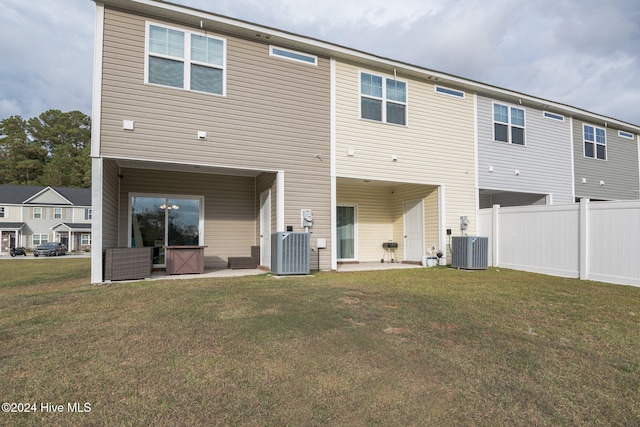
(583, 53)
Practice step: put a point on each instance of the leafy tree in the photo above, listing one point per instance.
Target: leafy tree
(21, 159)
(67, 139)
(51, 149)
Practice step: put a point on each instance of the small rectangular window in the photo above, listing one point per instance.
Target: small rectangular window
(85, 239)
(3, 212)
(293, 55)
(553, 116)
(57, 213)
(452, 92)
(88, 213)
(626, 134)
(37, 213)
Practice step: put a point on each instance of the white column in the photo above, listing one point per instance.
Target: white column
(495, 236)
(584, 239)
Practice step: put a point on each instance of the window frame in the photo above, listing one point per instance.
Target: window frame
(509, 124)
(273, 53)
(57, 213)
(384, 99)
(37, 213)
(186, 60)
(594, 142)
(3, 212)
(88, 239)
(88, 214)
(625, 134)
(553, 116)
(449, 92)
(40, 242)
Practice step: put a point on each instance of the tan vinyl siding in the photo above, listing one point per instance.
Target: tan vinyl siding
(373, 218)
(437, 147)
(229, 207)
(110, 203)
(275, 117)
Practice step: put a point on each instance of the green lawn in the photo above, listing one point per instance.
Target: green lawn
(420, 347)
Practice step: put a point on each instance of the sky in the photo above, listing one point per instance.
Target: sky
(584, 53)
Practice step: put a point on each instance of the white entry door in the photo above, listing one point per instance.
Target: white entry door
(265, 228)
(413, 230)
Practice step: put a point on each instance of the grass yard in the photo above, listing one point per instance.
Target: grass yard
(416, 347)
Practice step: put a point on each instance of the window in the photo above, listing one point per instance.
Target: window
(158, 221)
(625, 134)
(37, 213)
(293, 55)
(185, 60)
(508, 124)
(346, 234)
(447, 91)
(57, 213)
(553, 116)
(88, 213)
(39, 239)
(85, 239)
(382, 99)
(3, 212)
(595, 142)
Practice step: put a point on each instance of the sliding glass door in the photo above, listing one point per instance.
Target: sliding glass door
(346, 234)
(165, 221)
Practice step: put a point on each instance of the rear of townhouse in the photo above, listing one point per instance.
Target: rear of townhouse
(405, 176)
(381, 151)
(222, 170)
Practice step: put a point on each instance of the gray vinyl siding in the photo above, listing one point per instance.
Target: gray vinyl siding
(507, 199)
(619, 171)
(275, 117)
(544, 162)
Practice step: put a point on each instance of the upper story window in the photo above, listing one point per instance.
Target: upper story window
(293, 55)
(88, 213)
(57, 213)
(383, 99)
(185, 60)
(37, 213)
(508, 124)
(447, 91)
(553, 116)
(625, 134)
(595, 142)
(3, 212)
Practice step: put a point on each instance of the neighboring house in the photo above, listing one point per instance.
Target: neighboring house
(216, 132)
(606, 156)
(31, 215)
(531, 152)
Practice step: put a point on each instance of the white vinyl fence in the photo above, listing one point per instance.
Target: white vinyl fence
(587, 240)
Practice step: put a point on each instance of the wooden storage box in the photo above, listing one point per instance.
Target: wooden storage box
(184, 259)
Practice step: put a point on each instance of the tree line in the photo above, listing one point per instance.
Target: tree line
(50, 149)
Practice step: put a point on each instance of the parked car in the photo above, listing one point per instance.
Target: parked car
(50, 249)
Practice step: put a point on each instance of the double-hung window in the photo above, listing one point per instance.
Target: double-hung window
(185, 60)
(3, 212)
(37, 213)
(508, 124)
(57, 213)
(595, 142)
(39, 239)
(383, 99)
(85, 239)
